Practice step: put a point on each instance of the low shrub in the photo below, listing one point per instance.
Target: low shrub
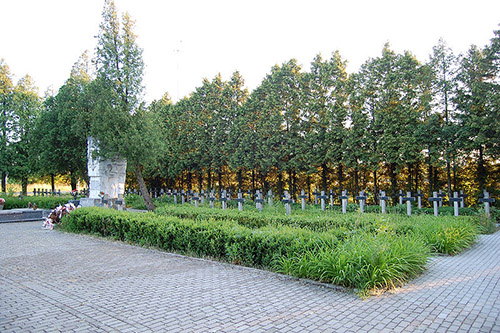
(448, 211)
(444, 234)
(450, 236)
(218, 239)
(363, 251)
(495, 214)
(134, 201)
(315, 221)
(13, 202)
(363, 261)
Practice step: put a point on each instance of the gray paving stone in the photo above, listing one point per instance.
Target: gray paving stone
(53, 281)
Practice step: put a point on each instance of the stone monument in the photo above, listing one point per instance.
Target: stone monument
(107, 177)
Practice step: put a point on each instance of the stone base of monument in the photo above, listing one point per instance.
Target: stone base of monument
(114, 203)
(90, 202)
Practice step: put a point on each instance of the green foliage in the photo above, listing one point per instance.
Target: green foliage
(6, 118)
(363, 261)
(134, 201)
(254, 219)
(62, 148)
(394, 113)
(224, 240)
(120, 122)
(450, 236)
(363, 251)
(23, 110)
(12, 202)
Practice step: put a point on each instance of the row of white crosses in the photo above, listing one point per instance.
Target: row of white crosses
(45, 192)
(487, 201)
(436, 199)
(225, 196)
(457, 199)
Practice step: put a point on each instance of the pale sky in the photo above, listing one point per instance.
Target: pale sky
(44, 38)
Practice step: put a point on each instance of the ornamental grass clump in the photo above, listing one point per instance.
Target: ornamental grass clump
(364, 261)
(450, 235)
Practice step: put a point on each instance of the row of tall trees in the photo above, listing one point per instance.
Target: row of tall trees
(101, 98)
(396, 123)
(20, 105)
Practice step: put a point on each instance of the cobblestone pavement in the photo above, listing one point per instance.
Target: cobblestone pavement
(53, 281)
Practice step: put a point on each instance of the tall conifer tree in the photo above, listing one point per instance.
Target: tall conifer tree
(120, 122)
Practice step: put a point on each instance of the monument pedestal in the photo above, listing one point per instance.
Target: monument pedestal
(89, 202)
(107, 179)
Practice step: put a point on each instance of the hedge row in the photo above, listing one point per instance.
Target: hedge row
(13, 202)
(279, 248)
(225, 240)
(447, 234)
(255, 219)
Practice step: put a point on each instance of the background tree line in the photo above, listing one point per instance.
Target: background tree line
(396, 123)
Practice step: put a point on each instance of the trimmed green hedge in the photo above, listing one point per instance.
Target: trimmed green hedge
(225, 240)
(367, 251)
(254, 219)
(12, 202)
(444, 234)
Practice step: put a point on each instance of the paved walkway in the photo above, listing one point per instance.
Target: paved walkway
(52, 281)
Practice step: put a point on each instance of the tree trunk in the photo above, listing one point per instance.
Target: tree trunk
(240, 179)
(375, 188)
(200, 181)
(429, 172)
(24, 183)
(73, 181)
(410, 174)
(436, 179)
(209, 180)
(340, 173)
(417, 175)
(356, 181)
(454, 174)
(448, 174)
(481, 171)
(220, 180)
(264, 182)
(144, 190)
(429, 176)
(324, 174)
(253, 180)
(290, 182)
(52, 183)
(189, 180)
(309, 187)
(280, 183)
(392, 176)
(4, 182)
